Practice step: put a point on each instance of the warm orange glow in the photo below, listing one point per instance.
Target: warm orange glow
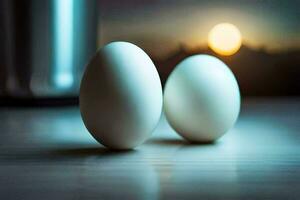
(225, 39)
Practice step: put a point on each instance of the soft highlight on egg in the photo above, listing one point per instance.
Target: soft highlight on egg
(120, 96)
(201, 99)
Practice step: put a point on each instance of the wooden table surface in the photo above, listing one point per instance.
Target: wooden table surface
(46, 153)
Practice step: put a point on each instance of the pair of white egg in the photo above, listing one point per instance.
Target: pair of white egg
(121, 97)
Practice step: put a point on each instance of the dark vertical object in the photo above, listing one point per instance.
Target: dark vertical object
(2, 48)
(15, 48)
(6, 47)
(22, 29)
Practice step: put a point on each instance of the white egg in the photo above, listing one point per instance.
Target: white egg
(201, 98)
(121, 96)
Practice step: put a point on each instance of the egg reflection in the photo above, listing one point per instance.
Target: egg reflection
(120, 175)
(201, 172)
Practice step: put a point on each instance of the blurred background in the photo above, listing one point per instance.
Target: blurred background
(45, 45)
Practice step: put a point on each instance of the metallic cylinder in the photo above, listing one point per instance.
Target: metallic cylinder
(46, 46)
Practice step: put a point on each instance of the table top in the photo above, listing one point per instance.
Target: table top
(46, 153)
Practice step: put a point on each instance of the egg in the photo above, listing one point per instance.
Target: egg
(201, 99)
(120, 96)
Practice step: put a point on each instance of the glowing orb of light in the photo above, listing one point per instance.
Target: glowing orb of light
(225, 39)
